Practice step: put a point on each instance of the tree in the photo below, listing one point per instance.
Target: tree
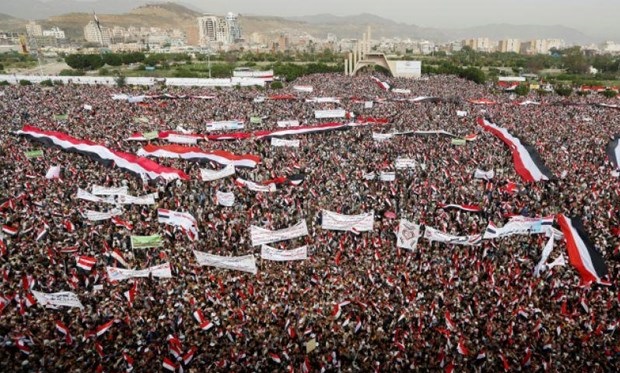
(112, 59)
(522, 90)
(563, 90)
(574, 61)
(121, 81)
(474, 74)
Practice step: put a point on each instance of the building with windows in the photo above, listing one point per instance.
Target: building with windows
(93, 34)
(216, 29)
(55, 33)
(34, 29)
(509, 45)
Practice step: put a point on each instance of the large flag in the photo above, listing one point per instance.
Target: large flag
(383, 85)
(581, 252)
(354, 223)
(262, 236)
(433, 234)
(126, 161)
(408, 235)
(468, 208)
(196, 154)
(519, 225)
(143, 242)
(271, 253)
(211, 175)
(60, 299)
(120, 274)
(528, 163)
(246, 263)
(613, 151)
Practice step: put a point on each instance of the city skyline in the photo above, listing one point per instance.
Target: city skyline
(597, 18)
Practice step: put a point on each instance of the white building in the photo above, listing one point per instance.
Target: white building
(215, 29)
(54, 32)
(93, 34)
(34, 29)
(509, 45)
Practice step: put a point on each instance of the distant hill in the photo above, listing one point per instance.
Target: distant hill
(175, 15)
(35, 9)
(165, 15)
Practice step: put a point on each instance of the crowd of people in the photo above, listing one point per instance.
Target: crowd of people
(437, 307)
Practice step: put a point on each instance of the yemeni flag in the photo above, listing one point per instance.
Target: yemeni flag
(204, 323)
(613, 151)
(169, 365)
(10, 230)
(104, 328)
(581, 252)
(86, 262)
(383, 85)
(196, 154)
(108, 157)
(469, 208)
(527, 161)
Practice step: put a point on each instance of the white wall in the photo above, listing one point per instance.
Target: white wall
(108, 80)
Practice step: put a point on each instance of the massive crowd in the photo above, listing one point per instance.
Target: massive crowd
(440, 306)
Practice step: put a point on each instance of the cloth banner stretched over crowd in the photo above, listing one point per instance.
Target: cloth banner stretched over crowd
(98, 216)
(381, 84)
(269, 188)
(225, 125)
(403, 163)
(581, 252)
(286, 143)
(225, 198)
(353, 223)
(287, 123)
(323, 100)
(484, 175)
(545, 255)
(526, 160)
(327, 114)
(125, 199)
(145, 242)
(303, 88)
(60, 299)
(613, 151)
(433, 234)
(100, 153)
(85, 195)
(120, 274)
(386, 136)
(387, 176)
(408, 235)
(99, 190)
(518, 225)
(271, 253)
(246, 263)
(196, 154)
(262, 236)
(211, 175)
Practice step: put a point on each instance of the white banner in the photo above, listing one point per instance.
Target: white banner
(257, 187)
(336, 113)
(545, 255)
(261, 236)
(148, 199)
(271, 253)
(120, 274)
(246, 263)
(288, 123)
(461, 113)
(181, 139)
(82, 194)
(402, 163)
(368, 104)
(225, 125)
(387, 176)
(97, 216)
(211, 175)
(225, 198)
(433, 234)
(60, 299)
(53, 173)
(485, 175)
(303, 88)
(408, 235)
(333, 100)
(518, 225)
(400, 90)
(356, 223)
(104, 191)
(281, 142)
(381, 136)
(370, 176)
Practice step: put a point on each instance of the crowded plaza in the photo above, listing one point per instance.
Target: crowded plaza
(340, 224)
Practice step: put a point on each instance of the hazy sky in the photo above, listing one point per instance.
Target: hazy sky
(595, 17)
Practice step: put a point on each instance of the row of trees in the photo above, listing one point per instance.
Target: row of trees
(95, 61)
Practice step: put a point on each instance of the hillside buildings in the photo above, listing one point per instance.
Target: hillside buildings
(96, 34)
